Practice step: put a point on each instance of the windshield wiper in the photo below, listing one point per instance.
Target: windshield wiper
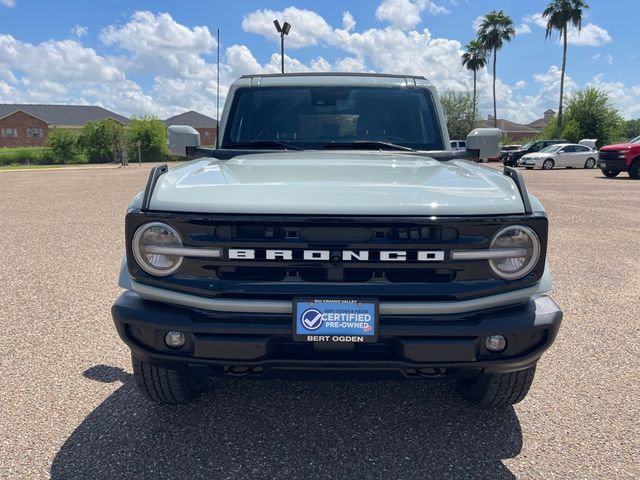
(368, 144)
(265, 144)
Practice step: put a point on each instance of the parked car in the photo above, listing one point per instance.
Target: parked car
(504, 149)
(624, 157)
(458, 145)
(510, 158)
(562, 155)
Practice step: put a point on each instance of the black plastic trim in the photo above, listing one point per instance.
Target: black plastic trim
(154, 175)
(516, 176)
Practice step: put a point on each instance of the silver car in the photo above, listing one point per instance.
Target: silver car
(563, 155)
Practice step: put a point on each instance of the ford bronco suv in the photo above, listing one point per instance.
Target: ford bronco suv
(334, 231)
(624, 157)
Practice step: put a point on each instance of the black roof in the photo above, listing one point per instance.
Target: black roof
(193, 119)
(67, 115)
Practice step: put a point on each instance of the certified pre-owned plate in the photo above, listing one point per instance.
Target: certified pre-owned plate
(335, 320)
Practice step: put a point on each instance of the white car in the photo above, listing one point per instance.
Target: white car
(562, 155)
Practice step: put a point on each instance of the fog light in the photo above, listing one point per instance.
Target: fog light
(496, 343)
(174, 339)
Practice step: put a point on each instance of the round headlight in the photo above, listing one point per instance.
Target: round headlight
(525, 241)
(147, 245)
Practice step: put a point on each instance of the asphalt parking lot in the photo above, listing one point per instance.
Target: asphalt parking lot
(69, 408)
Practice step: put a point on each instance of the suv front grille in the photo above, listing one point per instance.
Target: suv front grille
(278, 279)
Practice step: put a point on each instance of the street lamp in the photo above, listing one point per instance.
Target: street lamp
(284, 30)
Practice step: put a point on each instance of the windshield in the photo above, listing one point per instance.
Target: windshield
(527, 146)
(333, 116)
(635, 140)
(551, 148)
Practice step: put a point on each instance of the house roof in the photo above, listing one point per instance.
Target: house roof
(538, 124)
(68, 115)
(550, 111)
(510, 127)
(193, 119)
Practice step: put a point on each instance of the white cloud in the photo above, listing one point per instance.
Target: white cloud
(522, 29)
(536, 19)
(307, 27)
(79, 31)
(348, 22)
(520, 84)
(477, 22)
(8, 3)
(591, 35)
(406, 14)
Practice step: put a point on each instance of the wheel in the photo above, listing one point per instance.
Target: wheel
(491, 390)
(547, 164)
(590, 163)
(610, 173)
(164, 385)
(634, 170)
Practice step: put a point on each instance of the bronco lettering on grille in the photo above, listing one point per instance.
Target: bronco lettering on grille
(343, 255)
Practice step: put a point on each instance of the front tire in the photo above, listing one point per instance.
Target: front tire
(634, 170)
(165, 385)
(590, 163)
(493, 390)
(548, 164)
(610, 173)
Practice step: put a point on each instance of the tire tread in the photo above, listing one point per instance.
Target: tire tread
(165, 385)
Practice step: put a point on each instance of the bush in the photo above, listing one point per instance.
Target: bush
(150, 133)
(589, 114)
(101, 139)
(25, 155)
(64, 146)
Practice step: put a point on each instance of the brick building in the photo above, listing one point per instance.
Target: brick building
(29, 125)
(206, 126)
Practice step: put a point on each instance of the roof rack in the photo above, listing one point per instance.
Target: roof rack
(516, 176)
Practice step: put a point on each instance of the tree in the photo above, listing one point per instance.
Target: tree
(458, 108)
(559, 13)
(495, 29)
(589, 114)
(632, 128)
(150, 133)
(475, 58)
(100, 139)
(64, 145)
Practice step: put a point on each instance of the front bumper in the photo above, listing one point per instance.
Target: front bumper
(219, 342)
(618, 164)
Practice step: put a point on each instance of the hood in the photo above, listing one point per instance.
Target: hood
(620, 146)
(336, 183)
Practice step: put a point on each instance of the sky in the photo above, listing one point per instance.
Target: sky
(159, 57)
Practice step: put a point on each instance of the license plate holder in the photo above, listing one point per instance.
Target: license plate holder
(335, 320)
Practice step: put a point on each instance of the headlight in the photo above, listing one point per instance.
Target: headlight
(144, 245)
(525, 244)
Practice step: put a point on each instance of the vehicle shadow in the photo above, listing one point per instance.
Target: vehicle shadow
(247, 428)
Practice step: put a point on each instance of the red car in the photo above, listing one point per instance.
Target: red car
(624, 157)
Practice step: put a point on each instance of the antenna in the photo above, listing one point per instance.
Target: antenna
(218, 96)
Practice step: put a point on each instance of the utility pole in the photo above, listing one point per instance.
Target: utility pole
(139, 154)
(283, 31)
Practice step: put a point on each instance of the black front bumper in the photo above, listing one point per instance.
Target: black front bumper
(617, 164)
(219, 342)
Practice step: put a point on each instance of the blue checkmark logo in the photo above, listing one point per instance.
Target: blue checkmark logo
(311, 319)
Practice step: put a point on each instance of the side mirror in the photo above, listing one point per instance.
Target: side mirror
(182, 137)
(484, 142)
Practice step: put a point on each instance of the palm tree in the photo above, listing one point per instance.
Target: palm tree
(495, 29)
(475, 58)
(559, 13)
